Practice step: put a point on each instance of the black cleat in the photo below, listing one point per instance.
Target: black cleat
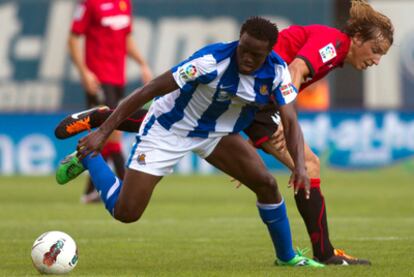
(79, 122)
(340, 258)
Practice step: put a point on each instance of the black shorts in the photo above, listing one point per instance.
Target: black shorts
(264, 125)
(110, 95)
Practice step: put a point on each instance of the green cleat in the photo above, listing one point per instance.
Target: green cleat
(300, 260)
(69, 168)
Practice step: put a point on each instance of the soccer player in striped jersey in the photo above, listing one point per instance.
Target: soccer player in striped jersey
(311, 52)
(201, 105)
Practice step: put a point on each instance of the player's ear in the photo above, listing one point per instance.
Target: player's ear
(357, 39)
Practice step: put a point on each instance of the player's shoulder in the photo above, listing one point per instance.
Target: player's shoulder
(91, 3)
(318, 31)
(275, 59)
(219, 51)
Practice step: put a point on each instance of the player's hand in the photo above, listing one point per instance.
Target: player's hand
(298, 179)
(146, 74)
(92, 143)
(278, 139)
(90, 82)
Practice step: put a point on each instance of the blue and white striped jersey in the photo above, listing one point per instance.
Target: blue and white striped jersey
(214, 99)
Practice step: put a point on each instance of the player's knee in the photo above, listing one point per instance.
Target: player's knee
(127, 215)
(312, 162)
(266, 186)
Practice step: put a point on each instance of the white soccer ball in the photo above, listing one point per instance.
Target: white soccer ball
(54, 252)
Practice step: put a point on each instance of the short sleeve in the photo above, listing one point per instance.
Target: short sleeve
(316, 52)
(81, 17)
(285, 91)
(200, 69)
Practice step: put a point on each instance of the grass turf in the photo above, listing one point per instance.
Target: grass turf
(204, 226)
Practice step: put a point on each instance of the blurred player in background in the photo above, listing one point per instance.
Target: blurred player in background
(106, 26)
(201, 105)
(311, 52)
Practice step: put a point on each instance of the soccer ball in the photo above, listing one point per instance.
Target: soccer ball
(54, 252)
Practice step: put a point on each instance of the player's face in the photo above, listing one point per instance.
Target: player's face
(364, 54)
(251, 53)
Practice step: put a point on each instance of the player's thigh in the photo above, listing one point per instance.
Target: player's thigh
(312, 161)
(135, 194)
(234, 156)
(264, 125)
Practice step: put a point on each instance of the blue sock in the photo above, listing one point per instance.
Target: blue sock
(104, 180)
(275, 217)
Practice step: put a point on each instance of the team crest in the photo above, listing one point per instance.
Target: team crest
(141, 159)
(123, 6)
(264, 90)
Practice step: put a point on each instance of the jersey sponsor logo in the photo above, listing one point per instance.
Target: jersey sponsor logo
(264, 90)
(107, 6)
(188, 73)
(116, 22)
(327, 53)
(286, 89)
(223, 96)
(79, 12)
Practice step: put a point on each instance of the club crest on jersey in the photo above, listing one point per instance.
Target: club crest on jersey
(264, 90)
(141, 159)
(123, 6)
(327, 53)
(286, 89)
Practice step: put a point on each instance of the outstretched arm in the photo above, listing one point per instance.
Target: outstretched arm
(161, 85)
(295, 145)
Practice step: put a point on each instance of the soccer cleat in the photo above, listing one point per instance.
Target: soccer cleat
(300, 260)
(79, 122)
(341, 258)
(69, 168)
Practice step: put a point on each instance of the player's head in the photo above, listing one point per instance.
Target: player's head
(371, 35)
(257, 37)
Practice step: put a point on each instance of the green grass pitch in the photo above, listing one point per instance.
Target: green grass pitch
(204, 226)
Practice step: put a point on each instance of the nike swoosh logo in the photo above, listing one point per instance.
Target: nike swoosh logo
(114, 187)
(344, 262)
(76, 115)
(226, 87)
(302, 263)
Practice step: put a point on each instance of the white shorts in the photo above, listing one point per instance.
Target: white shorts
(157, 150)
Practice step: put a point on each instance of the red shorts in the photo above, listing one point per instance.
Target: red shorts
(264, 125)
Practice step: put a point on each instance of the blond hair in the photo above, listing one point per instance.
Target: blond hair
(368, 23)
